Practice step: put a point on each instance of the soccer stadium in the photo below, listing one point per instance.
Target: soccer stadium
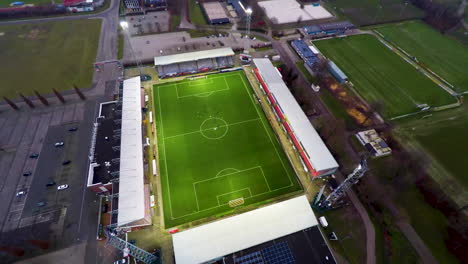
(216, 148)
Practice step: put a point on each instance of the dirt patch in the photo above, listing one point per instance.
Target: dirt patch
(360, 113)
(33, 34)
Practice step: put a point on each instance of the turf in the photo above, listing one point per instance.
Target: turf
(443, 55)
(196, 14)
(43, 56)
(378, 74)
(215, 145)
(366, 12)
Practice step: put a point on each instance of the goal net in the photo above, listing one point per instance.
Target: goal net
(236, 202)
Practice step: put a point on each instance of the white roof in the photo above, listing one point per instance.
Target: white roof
(318, 153)
(214, 10)
(192, 56)
(289, 11)
(131, 183)
(246, 230)
(314, 50)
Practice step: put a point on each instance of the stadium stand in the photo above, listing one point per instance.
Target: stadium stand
(317, 158)
(192, 62)
(327, 29)
(291, 235)
(309, 57)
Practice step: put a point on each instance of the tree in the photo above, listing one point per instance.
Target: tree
(374, 107)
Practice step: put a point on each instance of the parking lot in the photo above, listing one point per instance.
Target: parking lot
(26, 132)
(147, 47)
(151, 23)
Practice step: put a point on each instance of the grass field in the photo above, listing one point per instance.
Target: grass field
(48, 55)
(215, 146)
(443, 55)
(6, 3)
(378, 74)
(196, 14)
(365, 12)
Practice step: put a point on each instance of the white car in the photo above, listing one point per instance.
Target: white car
(62, 187)
(20, 193)
(59, 144)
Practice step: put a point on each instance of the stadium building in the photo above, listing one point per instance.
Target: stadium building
(316, 157)
(305, 52)
(327, 29)
(215, 13)
(193, 62)
(116, 158)
(286, 232)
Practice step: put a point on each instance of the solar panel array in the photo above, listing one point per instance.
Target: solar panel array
(252, 258)
(305, 52)
(279, 253)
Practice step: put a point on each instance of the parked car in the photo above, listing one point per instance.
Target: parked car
(51, 183)
(41, 204)
(28, 173)
(34, 156)
(62, 187)
(66, 162)
(21, 193)
(59, 144)
(73, 129)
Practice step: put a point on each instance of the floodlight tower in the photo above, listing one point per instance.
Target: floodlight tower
(124, 26)
(352, 179)
(248, 12)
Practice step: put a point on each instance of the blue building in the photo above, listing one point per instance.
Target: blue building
(328, 28)
(305, 52)
(339, 75)
(238, 6)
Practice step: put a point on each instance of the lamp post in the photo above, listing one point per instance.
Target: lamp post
(248, 12)
(124, 26)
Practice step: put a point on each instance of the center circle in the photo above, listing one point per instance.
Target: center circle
(214, 128)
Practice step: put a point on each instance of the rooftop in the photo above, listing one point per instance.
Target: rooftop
(131, 184)
(192, 56)
(223, 237)
(316, 150)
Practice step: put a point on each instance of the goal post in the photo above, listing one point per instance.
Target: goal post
(236, 202)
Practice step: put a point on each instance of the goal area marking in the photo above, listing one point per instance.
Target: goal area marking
(236, 202)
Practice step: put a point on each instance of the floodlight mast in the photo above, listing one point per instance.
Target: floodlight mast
(248, 12)
(124, 26)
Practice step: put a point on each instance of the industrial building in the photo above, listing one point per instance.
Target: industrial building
(371, 140)
(339, 75)
(116, 158)
(239, 7)
(305, 52)
(327, 29)
(193, 62)
(290, 11)
(271, 234)
(215, 13)
(316, 157)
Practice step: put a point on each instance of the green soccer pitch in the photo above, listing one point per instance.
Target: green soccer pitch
(215, 146)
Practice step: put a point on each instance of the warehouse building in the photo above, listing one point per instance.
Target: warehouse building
(271, 234)
(316, 157)
(215, 13)
(290, 11)
(193, 62)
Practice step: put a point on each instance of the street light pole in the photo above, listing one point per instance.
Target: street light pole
(124, 26)
(248, 12)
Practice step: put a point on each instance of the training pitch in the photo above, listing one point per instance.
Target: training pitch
(216, 148)
(445, 56)
(378, 74)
